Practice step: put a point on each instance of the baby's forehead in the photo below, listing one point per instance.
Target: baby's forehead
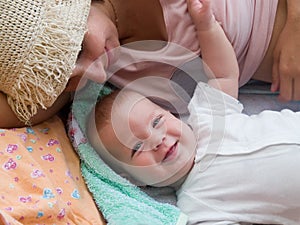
(132, 109)
(127, 100)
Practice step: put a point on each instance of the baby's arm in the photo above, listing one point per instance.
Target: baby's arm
(216, 50)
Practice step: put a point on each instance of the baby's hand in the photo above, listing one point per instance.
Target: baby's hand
(201, 13)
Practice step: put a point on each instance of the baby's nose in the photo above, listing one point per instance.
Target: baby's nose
(160, 144)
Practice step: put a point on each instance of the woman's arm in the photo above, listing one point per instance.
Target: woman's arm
(293, 9)
(216, 50)
(9, 120)
(286, 65)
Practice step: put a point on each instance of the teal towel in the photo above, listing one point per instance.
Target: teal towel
(121, 202)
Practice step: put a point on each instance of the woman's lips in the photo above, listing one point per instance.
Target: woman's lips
(171, 153)
(108, 58)
(111, 56)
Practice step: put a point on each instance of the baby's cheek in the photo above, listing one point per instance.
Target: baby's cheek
(175, 128)
(144, 159)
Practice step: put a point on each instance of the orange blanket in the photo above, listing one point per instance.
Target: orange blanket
(40, 179)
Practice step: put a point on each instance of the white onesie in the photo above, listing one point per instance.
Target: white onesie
(246, 168)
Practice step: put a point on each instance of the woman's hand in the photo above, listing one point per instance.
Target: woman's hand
(286, 65)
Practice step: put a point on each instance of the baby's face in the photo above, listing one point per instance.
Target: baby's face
(155, 147)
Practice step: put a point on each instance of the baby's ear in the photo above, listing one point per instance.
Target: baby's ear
(132, 180)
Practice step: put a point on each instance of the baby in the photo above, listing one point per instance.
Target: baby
(229, 167)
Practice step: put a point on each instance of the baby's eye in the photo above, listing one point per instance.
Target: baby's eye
(136, 148)
(156, 121)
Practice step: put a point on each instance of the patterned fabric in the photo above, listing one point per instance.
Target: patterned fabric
(40, 178)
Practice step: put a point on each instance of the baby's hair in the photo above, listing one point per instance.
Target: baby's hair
(103, 109)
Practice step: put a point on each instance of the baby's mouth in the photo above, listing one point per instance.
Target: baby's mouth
(171, 152)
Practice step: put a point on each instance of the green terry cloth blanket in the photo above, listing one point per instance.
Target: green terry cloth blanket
(120, 202)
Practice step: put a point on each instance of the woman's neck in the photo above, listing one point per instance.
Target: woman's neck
(140, 20)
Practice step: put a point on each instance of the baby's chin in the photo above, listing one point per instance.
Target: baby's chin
(178, 178)
(188, 162)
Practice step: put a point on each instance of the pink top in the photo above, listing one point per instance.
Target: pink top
(248, 25)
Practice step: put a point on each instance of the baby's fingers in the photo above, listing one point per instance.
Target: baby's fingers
(205, 4)
(194, 6)
(200, 7)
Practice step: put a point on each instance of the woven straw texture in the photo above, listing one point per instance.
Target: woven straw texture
(39, 44)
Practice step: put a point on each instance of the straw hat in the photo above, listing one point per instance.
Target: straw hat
(39, 44)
